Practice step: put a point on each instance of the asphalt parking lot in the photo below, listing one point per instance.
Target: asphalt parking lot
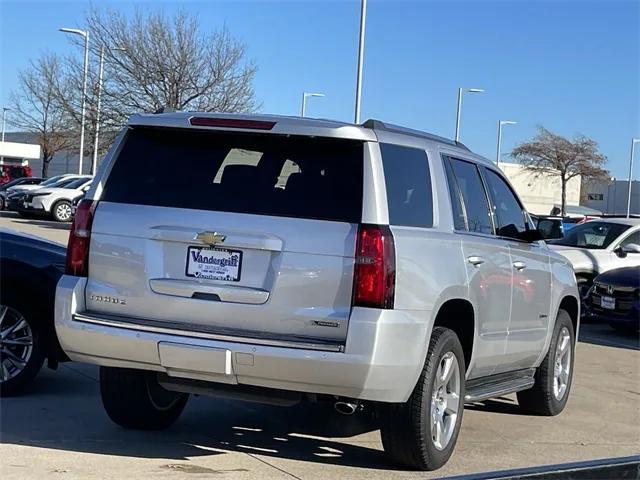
(59, 429)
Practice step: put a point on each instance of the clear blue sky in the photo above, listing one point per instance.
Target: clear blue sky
(572, 66)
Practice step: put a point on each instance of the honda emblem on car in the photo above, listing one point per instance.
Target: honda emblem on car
(610, 289)
(210, 238)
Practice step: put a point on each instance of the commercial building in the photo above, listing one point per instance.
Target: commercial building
(541, 192)
(610, 196)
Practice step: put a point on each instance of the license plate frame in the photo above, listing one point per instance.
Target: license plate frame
(194, 272)
(608, 303)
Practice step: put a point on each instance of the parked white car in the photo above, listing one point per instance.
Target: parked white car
(597, 246)
(56, 201)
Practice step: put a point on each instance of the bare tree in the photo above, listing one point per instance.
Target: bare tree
(549, 154)
(36, 107)
(152, 62)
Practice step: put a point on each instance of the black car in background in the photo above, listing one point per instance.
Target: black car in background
(29, 271)
(615, 299)
(4, 189)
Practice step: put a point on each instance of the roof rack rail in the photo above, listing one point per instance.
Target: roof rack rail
(389, 127)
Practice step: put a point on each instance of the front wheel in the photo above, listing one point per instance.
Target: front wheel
(553, 377)
(21, 349)
(422, 432)
(134, 399)
(62, 211)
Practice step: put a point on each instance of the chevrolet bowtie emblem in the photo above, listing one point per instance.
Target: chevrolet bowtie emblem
(210, 238)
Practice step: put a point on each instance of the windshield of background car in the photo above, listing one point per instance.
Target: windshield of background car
(77, 183)
(597, 235)
(53, 180)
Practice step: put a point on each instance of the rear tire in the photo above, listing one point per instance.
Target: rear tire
(134, 399)
(409, 430)
(61, 211)
(554, 376)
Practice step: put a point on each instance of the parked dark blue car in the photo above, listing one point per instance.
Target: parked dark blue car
(29, 271)
(615, 299)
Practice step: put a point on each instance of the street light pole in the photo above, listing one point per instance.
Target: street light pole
(633, 146)
(85, 35)
(4, 113)
(94, 164)
(363, 18)
(500, 124)
(306, 95)
(461, 92)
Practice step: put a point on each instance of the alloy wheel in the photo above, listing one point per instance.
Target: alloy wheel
(63, 212)
(562, 364)
(445, 400)
(16, 343)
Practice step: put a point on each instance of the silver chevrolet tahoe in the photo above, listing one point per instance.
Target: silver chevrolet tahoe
(279, 259)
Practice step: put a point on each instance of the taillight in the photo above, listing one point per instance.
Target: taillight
(79, 239)
(375, 267)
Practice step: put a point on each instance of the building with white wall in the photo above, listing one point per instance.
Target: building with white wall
(540, 193)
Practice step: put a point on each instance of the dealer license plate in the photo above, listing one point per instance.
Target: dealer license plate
(608, 302)
(213, 263)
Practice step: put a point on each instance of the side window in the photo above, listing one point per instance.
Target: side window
(633, 238)
(406, 172)
(472, 197)
(510, 218)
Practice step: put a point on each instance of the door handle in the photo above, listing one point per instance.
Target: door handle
(519, 265)
(475, 260)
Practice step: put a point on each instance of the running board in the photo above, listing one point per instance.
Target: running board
(493, 386)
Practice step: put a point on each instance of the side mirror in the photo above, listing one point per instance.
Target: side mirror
(531, 235)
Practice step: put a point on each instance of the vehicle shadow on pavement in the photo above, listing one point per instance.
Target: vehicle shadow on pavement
(36, 221)
(63, 411)
(602, 334)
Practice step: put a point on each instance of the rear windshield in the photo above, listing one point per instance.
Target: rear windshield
(304, 177)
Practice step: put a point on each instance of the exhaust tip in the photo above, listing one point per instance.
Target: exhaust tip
(345, 408)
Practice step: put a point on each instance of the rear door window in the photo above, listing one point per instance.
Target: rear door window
(471, 207)
(406, 172)
(315, 178)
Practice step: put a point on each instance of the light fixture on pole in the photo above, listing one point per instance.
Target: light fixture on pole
(85, 35)
(461, 92)
(94, 164)
(633, 146)
(363, 21)
(500, 124)
(306, 95)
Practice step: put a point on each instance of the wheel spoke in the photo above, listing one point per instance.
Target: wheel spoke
(453, 402)
(4, 372)
(22, 341)
(13, 357)
(14, 328)
(440, 431)
(3, 312)
(447, 369)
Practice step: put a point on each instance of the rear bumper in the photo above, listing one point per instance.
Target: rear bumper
(381, 361)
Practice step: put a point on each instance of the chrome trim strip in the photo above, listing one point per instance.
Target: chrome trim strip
(139, 324)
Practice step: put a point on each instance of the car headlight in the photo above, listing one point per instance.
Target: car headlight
(43, 194)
